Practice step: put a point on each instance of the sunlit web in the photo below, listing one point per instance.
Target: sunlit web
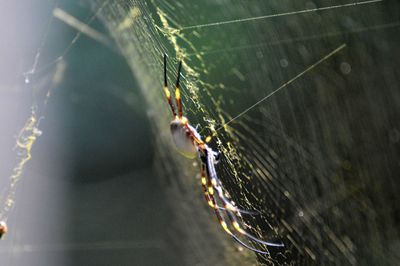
(277, 83)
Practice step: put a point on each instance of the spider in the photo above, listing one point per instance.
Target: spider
(190, 144)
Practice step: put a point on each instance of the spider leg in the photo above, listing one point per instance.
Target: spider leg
(166, 90)
(234, 220)
(236, 225)
(227, 204)
(209, 191)
(178, 91)
(217, 185)
(214, 183)
(211, 201)
(205, 190)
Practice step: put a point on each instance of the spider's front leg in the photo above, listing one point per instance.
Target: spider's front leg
(210, 185)
(209, 196)
(215, 184)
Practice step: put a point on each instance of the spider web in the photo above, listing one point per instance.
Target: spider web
(317, 155)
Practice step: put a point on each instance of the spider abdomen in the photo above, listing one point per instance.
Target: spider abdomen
(183, 139)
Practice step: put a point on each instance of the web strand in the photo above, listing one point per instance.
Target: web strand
(286, 83)
(279, 15)
(299, 39)
(82, 28)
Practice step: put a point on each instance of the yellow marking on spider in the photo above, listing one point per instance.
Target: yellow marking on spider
(167, 93)
(225, 227)
(178, 93)
(208, 139)
(184, 120)
(237, 227)
(203, 180)
(211, 190)
(211, 204)
(214, 182)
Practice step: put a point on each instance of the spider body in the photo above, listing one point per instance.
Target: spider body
(190, 144)
(182, 133)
